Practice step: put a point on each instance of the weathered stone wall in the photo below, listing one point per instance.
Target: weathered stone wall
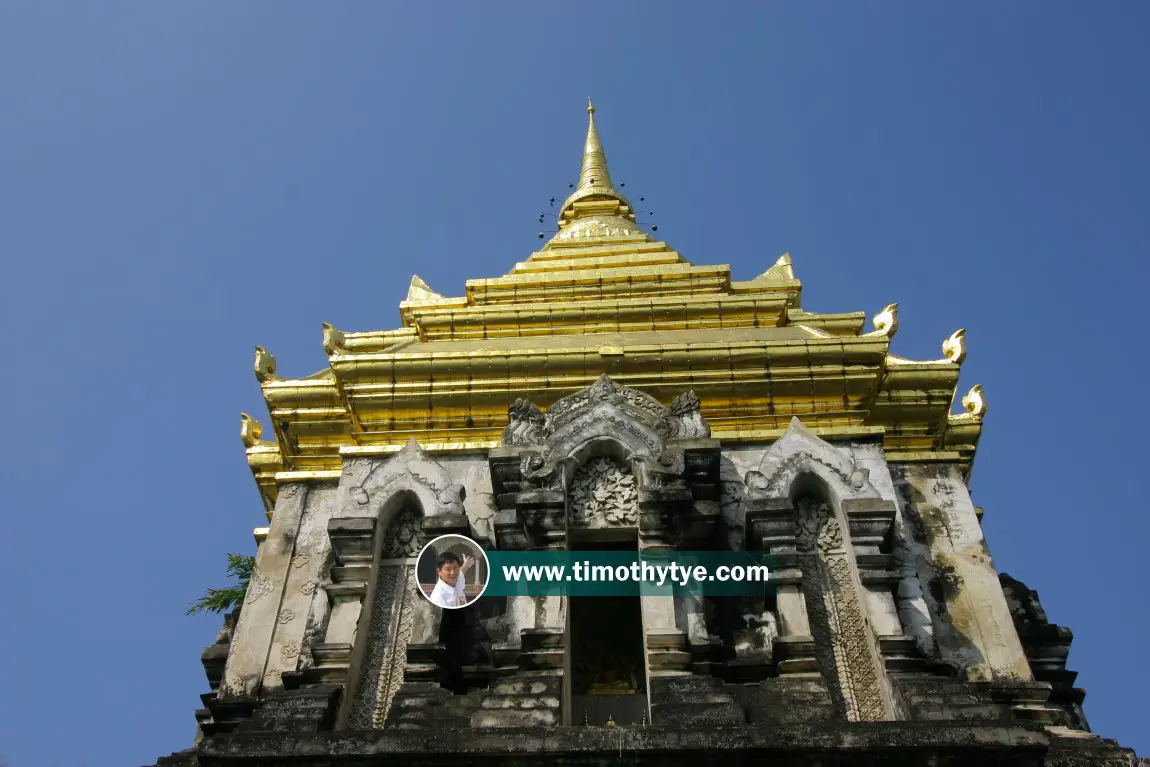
(289, 564)
(919, 563)
(945, 546)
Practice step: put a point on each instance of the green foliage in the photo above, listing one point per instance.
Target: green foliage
(240, 566)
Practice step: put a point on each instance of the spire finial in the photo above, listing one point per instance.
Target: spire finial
(594, 179)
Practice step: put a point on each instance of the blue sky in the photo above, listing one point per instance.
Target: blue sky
(179, 182)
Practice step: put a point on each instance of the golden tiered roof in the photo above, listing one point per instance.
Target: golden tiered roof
(602, 296)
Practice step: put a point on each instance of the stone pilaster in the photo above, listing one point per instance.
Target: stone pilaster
(973, 626)
(770, 528)
(252, 641)
(290, 641)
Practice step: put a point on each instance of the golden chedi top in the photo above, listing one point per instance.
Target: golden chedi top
(603, 297)
(595, 208)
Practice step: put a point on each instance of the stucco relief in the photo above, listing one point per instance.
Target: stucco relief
(844, 645)
(637, 421)
(411, 469)
(378, 665)
(800, 451)
(603, 493)
(402, 539)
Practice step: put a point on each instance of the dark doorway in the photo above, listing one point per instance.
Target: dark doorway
(608, 674)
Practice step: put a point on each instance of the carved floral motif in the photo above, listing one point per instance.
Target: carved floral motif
(402, 538)
(845, 648)
(603, 491)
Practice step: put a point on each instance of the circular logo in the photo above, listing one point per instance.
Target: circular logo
(452, 571)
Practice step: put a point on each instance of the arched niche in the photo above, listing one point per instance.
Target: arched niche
(390, 606)
(601, 483)
(799, 456)
(845, 646)
(377, 535)
(813, 505)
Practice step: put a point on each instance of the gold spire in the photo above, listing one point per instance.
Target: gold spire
(594, 170)
(594, 180)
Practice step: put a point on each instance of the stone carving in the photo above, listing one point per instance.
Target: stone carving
(798, 451)
(307, 588)
(757, 635)
(525, 426)
(286, 615)
(845, 648)
(637, 420)
(290, 650)
(603, 390)
(403, 533)
(385, 611)
(603, 493)
(391, 678)
(259, 586)
(480, 512)
(409, 469)
(312, 634)
(732, 492)
(300, 560)
(684, 419)
(451, 499)
(225, 634)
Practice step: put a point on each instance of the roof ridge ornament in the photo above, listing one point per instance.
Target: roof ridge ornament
(974, 402)
(250, 430)
(886, 321)
(782, 269)
(333, 339)
(419, 290)
(265, 365)
(954, 348)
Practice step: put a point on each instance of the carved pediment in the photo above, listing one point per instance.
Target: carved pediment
(603, 410)
(410, 469)
(801, 451)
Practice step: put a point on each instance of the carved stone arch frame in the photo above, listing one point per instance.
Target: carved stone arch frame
(629, 453)
(606, 432)
(383, 623)
(829, 578)
(388, 618)
(600, 446)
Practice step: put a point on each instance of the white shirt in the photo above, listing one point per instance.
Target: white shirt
(446, 595)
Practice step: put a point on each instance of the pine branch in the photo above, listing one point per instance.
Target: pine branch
(240, 566)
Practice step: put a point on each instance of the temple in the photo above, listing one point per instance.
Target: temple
(606, 393)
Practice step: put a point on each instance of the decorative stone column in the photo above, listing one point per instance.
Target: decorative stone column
(771, 526)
